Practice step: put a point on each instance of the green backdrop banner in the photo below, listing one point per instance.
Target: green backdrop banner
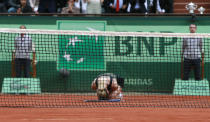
(145, 63)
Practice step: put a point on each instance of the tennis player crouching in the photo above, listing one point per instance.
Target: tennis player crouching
(108, 86)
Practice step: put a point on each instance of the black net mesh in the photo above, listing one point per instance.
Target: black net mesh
(46, 68)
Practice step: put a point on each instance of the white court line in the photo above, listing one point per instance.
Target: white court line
(64, 119)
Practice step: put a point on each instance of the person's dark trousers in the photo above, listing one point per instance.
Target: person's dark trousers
(47, 6)
(22, 64)
(2, 8)
(138, 11)
(188, 64)
(120, 11)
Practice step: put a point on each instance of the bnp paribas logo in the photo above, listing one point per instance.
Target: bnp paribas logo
(81, 52)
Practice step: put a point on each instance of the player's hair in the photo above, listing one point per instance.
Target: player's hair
(193, 24)
(23, 26)
(102, 94)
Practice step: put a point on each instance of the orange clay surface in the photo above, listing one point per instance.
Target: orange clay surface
(72, 100)
(72, 108)
(104, 114)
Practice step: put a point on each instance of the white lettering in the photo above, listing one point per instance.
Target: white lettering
(188, 87)
(147, 82)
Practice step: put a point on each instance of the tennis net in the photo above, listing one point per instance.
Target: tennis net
(63, 65)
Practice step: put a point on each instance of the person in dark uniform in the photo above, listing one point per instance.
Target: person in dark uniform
(137, 6)
(161, 6)
(47, 6)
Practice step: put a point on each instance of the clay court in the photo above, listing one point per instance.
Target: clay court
(78, 100)
(72, 108)
(116, 114)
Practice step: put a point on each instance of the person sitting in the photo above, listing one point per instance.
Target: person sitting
(24, 7)
(108, 86)
(60, 4)
(34, 5)
(94, 6)
(3, 8)
(118, 6)
(13, 6)
(161, 6)
(47, 6)
(81, 5)
(137, 6)
(70, 8)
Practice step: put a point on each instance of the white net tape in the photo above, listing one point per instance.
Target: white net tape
(107, 33)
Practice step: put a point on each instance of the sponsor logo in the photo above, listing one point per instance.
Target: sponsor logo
(139, 81)
(18, 85)
(189, 87)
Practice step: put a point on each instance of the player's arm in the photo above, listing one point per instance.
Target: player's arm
(93, 85)
(116, 94)
(114, 85)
